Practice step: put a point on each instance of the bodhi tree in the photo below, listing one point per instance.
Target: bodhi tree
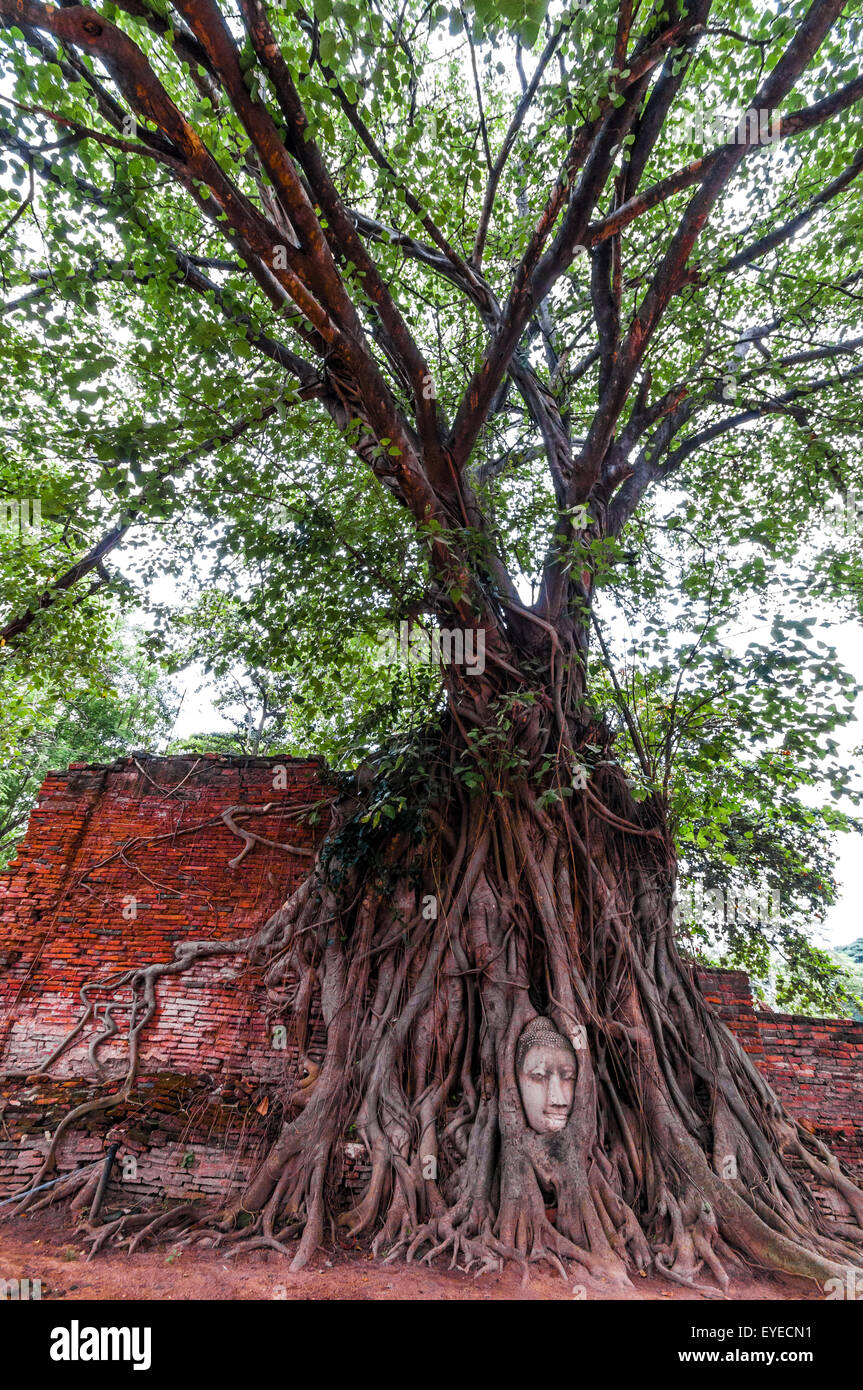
(505, 262)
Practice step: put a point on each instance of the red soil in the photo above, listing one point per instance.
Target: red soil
(46, 1247)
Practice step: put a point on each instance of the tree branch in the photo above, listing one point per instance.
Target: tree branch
(808, 118)
(508, 141)
(766, 243)
(112, 538)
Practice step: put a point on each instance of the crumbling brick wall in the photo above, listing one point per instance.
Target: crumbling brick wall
(119, 863)
(815, 1065)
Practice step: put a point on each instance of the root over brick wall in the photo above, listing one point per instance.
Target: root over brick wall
(121, 862)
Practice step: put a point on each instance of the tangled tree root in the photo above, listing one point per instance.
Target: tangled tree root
(429, 957)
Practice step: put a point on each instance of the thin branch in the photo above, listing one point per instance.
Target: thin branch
(774, 405)
(21, 208)
(508, 141)
(781, 234)
(108, 542)
(623, 703)
(478, 90)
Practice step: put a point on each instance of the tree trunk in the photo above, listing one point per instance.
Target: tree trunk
(511, 1032)
(433, 954)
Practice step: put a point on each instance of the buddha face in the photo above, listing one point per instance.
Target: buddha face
(546, 1082)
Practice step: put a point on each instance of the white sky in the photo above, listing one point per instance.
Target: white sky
(844, 922)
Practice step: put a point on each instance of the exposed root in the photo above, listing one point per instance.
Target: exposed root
(178, 1216)
(673, 1154)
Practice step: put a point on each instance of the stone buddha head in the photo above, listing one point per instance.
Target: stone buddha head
(546, 1068)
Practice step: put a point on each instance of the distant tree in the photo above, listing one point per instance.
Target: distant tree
(298, 700)
(850, 960)
(131, 711)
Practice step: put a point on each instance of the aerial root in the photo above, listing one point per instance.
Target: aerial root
(664, 1264)
(104, 1234)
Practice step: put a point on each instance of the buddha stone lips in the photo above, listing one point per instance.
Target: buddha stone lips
(545, 1064)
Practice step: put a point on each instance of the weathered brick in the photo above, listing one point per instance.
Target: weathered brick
(206, 1058)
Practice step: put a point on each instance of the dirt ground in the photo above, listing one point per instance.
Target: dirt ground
(46, 1247)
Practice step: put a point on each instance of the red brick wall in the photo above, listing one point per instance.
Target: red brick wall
(815, 1065)
(202, 1111)
(62, 906)
(199, 1117)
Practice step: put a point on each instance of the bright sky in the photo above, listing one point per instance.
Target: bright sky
(844, 922)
